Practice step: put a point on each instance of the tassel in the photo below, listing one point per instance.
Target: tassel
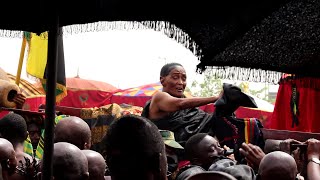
(294, 104)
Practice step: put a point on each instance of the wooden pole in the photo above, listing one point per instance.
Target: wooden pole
(23, 47)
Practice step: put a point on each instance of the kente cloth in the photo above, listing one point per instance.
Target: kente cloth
(27, 146)
(232, 132)
(40, 148)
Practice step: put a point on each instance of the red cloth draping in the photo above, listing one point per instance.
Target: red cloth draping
(309, 106)
(86, 98)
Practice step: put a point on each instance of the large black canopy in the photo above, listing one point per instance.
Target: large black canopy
(270, 35)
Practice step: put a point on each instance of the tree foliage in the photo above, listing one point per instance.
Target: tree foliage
(211, 86)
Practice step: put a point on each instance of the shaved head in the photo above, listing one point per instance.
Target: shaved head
(6, 149)
(69, 162)
(7, 157)
(97, 164)
(73, 130)
(278, 165)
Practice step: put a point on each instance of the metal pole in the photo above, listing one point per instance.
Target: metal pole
(51, 71)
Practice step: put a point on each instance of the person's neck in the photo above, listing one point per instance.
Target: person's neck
(18, 147)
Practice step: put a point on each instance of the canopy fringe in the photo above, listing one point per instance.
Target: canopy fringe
(166, 28)
(245, 74)
(10, 34)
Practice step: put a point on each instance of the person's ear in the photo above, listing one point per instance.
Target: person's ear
(161, 79)
(87, 145)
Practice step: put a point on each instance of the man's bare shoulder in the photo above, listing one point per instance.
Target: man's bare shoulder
(160, 94)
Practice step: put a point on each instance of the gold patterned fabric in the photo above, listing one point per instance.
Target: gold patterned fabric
(28, 89)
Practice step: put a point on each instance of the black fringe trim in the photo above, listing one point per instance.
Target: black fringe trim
(170, 30)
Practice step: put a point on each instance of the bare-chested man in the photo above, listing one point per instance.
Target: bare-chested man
(169, 110)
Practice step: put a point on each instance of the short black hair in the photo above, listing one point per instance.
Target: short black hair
(13, 127)
(137, 140)
(165, 70)
(191, 148)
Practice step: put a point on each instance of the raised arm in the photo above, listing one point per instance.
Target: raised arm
(313, 153)
(163, 103)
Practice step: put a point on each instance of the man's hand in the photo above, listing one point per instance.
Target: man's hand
(285, 145)
(231, 156)
(19, 99)
(313, 150)
(253, 154)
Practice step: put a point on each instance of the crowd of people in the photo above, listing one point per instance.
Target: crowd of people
(171, 140)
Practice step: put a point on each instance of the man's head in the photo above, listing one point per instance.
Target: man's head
(171, 152)
(136, 141)
(73, 130)
(13, 127)
(96, 163)
(173, 79)
(7, 157)
(278, 165)
(34, 134)
(69, 162)
(202, 149)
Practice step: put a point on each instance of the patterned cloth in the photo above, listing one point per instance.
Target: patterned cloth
(39, 151)
(27, 146)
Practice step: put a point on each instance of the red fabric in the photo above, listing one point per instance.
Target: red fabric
(86, 98)
(309, 107)
(263, 116)
(83, 84)
(33, 103)
(83, 93)
(243, 112)
(182, 164)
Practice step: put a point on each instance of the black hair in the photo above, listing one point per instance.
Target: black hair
(136, 140)
(165, 70)
(191, 148)
(13, 127)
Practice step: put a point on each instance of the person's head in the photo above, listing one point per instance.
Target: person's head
(73, 130)
(202, 149)
(136, 141)
(172, 146)
(7, 158)
(34, 134)
(13, 127)
(69, 162)
(278, 165)
(96, 163)
(173, 79)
